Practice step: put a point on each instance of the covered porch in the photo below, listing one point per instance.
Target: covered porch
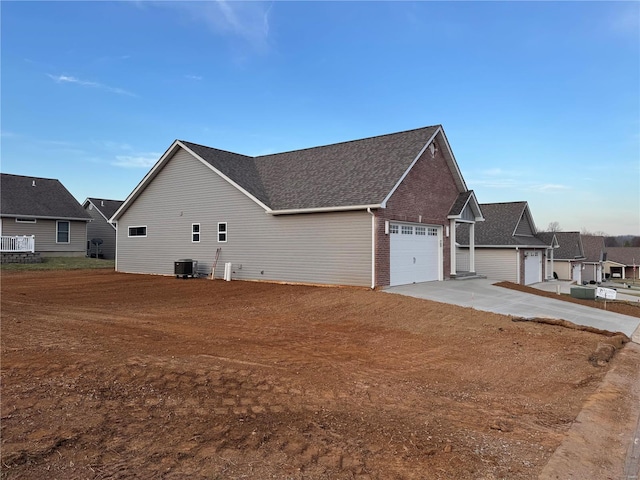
(465, 211)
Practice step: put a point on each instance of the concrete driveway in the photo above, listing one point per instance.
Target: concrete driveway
(481, 294)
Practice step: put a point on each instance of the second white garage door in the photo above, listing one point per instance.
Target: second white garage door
(415, 253)
(532, 267)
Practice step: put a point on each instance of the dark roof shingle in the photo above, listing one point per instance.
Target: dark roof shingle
(499, 226)
(38, 197)
(105, 206)
(358, 172)
(625, 255)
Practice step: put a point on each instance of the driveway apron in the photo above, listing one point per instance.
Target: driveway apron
(481, 294)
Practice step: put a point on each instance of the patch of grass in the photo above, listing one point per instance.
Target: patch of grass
(61, 263)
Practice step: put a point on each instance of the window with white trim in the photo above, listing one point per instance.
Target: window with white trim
(393, 229)
(63, 228)
(432, 231)
(421, 230)
(26, 220)
(406, 230)
(195, 232)
(222, 232)
(138, 231)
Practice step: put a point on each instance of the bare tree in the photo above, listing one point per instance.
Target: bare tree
(598, 233)
(554, 227)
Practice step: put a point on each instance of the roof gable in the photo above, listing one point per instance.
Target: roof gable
(505, 224)
(593, 248)
(356, 174)
(35, 197)
(105, 207)
(466, 207)
(569, 245)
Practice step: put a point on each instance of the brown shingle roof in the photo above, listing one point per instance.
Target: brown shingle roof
(628, 256)
(593, 248)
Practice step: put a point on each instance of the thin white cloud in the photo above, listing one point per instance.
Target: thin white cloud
(246, 20)
(625, 19)
(143, 160)
(193, 77)
(86, 83)
(549, 187)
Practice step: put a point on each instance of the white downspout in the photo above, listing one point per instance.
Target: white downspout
(452, 241)
(517, 265)
(472, 248)
(373, 249)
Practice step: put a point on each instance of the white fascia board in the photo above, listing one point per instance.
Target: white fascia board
(449, 158)
(516, 247)
(224, 177)
(145, 181)
(158, 166)
(42, 217)
(99, 211)
(415, 160)
(453, 160)
(346, 208)
(526, 212)
(476, 219)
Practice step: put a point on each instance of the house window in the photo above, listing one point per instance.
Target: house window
(25, 220)
(138, 231)
(195, 232)
(421, 230)
(222, 231)
(393, 228)
(62, 231)
(432, 232)
(407, 230)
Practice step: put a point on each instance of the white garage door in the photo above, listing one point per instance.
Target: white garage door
(532, 267)
(414, 253)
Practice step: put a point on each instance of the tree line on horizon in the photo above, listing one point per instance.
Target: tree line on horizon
(609, 240)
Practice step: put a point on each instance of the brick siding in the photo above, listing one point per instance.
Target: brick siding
(425, 196)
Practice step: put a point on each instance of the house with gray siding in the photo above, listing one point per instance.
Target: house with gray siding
(507, 247)
(565, 261)
(43, 211)
(370, 212)
(101, 235)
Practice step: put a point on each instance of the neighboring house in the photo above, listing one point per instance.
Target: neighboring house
(370, 212)
(566, 260)
(594, 252)
(622, 262)
(506, 245)
(101, 210)
(42, 209)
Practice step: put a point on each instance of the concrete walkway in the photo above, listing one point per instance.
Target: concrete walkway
(481, 294)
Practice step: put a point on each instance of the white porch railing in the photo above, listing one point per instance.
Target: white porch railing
(21, 243)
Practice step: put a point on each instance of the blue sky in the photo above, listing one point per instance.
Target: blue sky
(540, 101)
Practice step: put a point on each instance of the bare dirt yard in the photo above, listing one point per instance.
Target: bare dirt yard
(108, 375)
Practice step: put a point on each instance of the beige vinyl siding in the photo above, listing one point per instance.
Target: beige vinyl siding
(562, 268)
(100, 228)
(497, 263)
(45, 236)
(323, 248)
(462, 259)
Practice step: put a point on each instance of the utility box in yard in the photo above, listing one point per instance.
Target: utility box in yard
(585, 293)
